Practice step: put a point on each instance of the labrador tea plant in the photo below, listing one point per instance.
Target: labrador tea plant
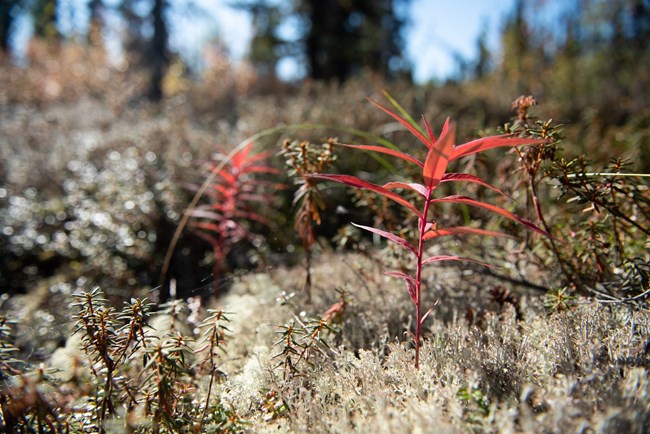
(439, 153)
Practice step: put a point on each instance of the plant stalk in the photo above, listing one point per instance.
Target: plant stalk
(418, 277)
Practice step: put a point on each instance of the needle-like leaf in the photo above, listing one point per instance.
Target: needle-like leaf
(401, 109)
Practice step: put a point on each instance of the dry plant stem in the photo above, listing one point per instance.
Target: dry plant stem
(616, 231)
(637, 175)
(207, 400)
(98, 339)
(307, 249)
(303, 159)
(540, 215)
(213, 369)
(570, 276)
(213, 345)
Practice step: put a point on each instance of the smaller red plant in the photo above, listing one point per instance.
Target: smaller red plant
(440, 152)
(234, 195)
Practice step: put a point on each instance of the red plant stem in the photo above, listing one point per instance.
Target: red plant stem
(418, 276)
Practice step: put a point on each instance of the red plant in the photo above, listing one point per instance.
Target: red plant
(233, 196)
(440, 152)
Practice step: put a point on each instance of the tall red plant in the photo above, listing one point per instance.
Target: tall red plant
(440, 152)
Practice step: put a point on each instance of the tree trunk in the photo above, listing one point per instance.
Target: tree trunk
(158, 55)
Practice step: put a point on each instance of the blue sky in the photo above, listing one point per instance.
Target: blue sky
(439, 30)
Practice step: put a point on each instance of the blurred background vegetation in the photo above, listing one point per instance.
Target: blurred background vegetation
(585, 59)
(96, 149)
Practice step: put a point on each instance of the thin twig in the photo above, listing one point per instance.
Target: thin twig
(624, 300)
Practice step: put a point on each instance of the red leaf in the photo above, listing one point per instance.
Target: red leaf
(485, 143)
(240, 157)
(260, 169)
(435, 165)
(410, 283)
(406, 124)
(394, 238)
(225, 174)
(430, 225)
(445, 127)
(418, 188)
(471, 178)
(253, 216)
(434, 233)
(204, 213)
(353, 181)
(207, 226)
(225, 190)
(439, 258)
(469, 201)
(432, 137)
(424, 317)
(255, 158)
(385, 150)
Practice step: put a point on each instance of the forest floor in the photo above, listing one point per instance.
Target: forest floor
(489, 362)
(494, 358)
